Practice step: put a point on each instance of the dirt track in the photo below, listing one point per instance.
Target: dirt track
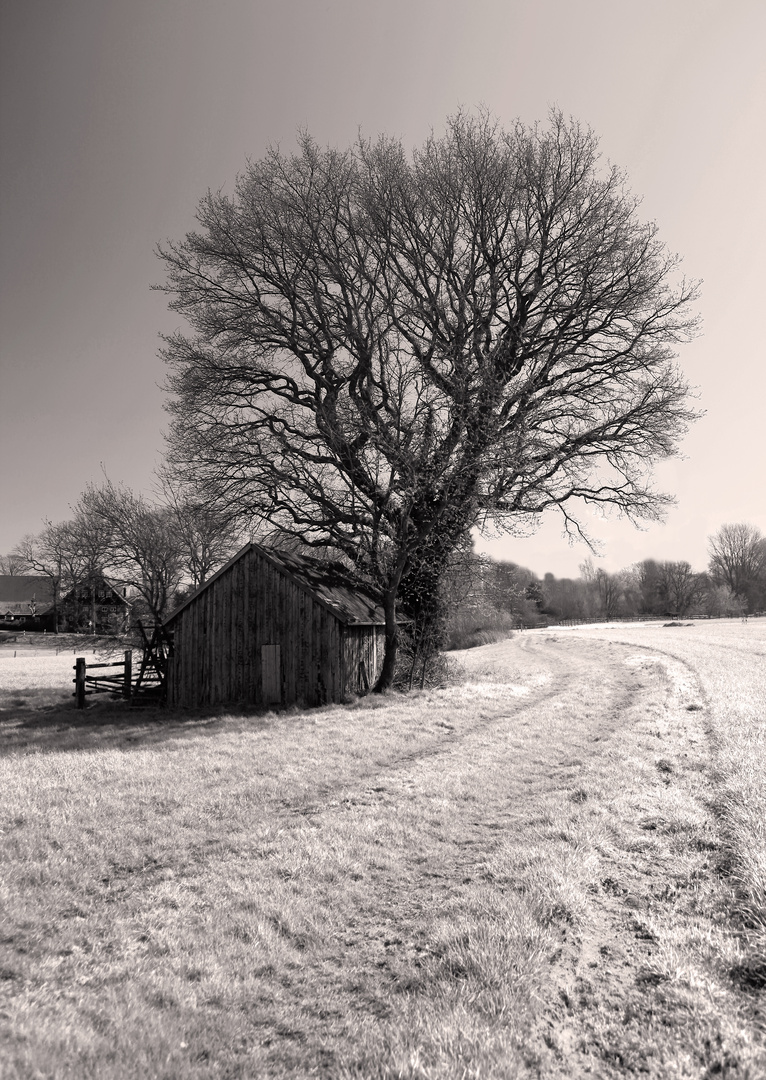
(644, 729)
(520, 875)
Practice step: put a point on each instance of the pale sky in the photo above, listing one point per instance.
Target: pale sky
(117, 115)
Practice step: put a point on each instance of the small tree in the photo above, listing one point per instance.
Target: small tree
(143, 549)
(206, 535)
(42, 554)
(486, 600)
(720, 601)
(71, 553)
(738, 560)
(386, 350)
(565, 598)
(12, 565)
(680, 587)
(606, 589)
(648, 578)
(92, 538)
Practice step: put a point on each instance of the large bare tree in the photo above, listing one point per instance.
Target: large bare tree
(386, 349)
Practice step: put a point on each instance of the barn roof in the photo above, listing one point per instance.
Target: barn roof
(18, 589)
(330, 584)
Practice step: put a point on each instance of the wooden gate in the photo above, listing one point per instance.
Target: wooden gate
(117, 678)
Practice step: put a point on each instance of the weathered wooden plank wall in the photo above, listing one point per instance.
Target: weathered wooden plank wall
(255, 635)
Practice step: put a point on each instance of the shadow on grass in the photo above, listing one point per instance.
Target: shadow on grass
(46, 721)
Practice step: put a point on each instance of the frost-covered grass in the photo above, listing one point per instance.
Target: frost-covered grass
(515, 878)
(35, 671)
(726, 660)
(38, 662)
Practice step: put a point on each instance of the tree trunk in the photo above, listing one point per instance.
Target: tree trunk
(386, 677)
(55, 605)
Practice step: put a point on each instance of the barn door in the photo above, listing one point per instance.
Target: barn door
(271, 674)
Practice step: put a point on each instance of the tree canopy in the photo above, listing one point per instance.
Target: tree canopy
(388, 349)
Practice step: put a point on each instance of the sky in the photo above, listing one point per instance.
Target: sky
(116, 116)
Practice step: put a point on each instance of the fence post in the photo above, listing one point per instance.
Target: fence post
(79, 682)
(128, 683)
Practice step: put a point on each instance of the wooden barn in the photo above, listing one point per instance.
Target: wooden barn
(274, 628)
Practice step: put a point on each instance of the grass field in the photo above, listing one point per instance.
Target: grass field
(553, 867)
(47, 663)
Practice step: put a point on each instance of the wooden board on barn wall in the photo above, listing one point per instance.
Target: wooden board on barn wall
(362, 645)
(251, 626)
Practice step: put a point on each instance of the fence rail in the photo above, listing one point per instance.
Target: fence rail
(646, 618)
(117, 679)
(120, 682)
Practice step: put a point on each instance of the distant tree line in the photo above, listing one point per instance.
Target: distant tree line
(161, 549)
(486, 598)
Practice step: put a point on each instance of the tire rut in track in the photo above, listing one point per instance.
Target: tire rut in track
(393, 926)
(608, 983)
(568, 669)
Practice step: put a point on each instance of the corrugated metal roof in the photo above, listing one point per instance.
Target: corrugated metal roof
(331, 584)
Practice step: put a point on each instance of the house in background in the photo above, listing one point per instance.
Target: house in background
(94, 606)
(274, 628)
(27, 602)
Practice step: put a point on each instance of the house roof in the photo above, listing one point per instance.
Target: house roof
(101, 583)
(330, 584)
(18, 590)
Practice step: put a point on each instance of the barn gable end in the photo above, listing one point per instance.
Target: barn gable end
(272, 628)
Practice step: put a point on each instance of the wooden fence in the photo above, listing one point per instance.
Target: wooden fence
(116, 677)
(118, 681)
(645, 618)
